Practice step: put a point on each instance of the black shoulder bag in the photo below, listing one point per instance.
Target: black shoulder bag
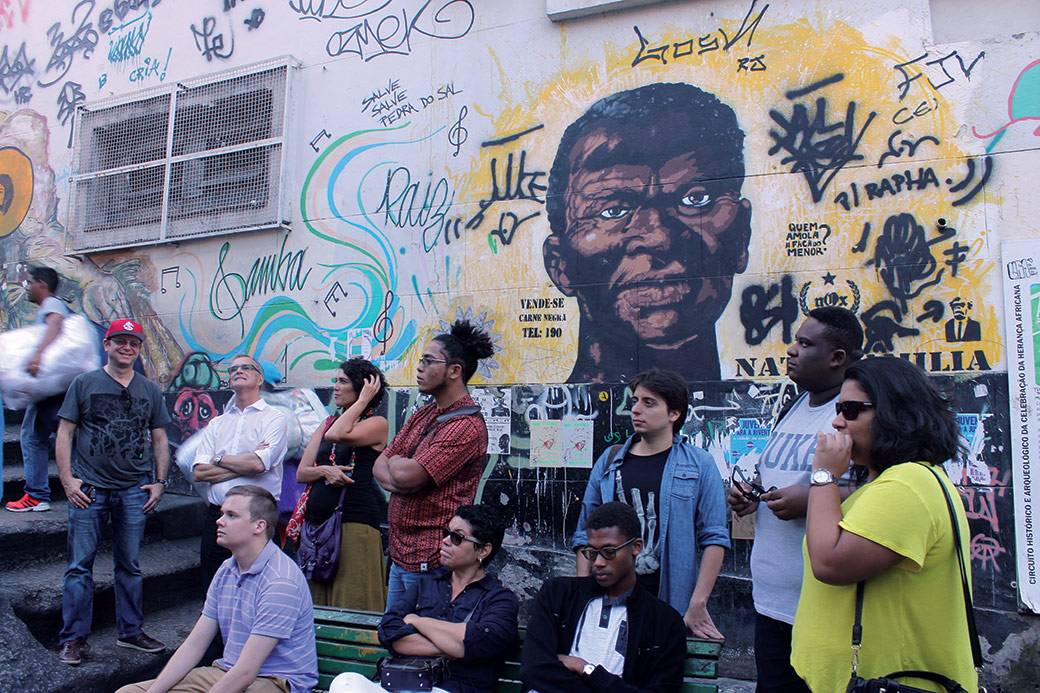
(889, 682)
(404, 673)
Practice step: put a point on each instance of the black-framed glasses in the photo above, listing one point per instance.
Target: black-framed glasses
(850, 409)
(750, 489)
(241, 367)
(426, 361)
(458, 537)
(608, 552)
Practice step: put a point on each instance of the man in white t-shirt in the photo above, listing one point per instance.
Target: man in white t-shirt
(40, 420)
(829, 341)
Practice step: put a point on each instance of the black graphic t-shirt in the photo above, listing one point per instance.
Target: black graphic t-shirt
(112, 446)
(640, 477)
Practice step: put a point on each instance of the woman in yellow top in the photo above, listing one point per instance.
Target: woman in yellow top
(894, 533)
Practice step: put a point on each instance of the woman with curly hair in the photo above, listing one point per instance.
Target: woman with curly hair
(894, 534)
(337, 464)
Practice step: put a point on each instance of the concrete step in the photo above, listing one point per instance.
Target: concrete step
(41, 536)
(25, 665)
(171, 576)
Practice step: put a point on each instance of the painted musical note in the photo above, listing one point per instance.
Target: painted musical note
(383, 328)
(335, 293)
(176, 272)
(317, 138)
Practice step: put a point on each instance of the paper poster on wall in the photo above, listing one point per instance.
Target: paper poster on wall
(747, 443)
(1021, 265)
(561, 443)
(494, 405)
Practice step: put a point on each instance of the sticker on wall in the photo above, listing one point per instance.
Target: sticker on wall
(494, 405)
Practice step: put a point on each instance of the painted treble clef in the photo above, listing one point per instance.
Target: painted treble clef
(383, 327)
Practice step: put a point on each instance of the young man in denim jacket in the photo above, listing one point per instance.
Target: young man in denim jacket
(677, 492)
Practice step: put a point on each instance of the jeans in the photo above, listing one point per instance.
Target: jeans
(773, 658)
(400, 579)
(125, 508)
(38, 425)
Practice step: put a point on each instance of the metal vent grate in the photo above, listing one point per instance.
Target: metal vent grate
(201, 158)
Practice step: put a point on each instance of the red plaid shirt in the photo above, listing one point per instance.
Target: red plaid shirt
(453, 454)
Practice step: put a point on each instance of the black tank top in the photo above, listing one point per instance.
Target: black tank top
(360, 501)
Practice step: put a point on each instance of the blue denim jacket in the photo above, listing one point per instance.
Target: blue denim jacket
(694, 516)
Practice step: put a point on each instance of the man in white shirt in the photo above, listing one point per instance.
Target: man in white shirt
(244, 445)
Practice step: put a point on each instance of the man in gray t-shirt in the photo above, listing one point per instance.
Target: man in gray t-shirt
(41, 419)
(113, 457)
(829, 341)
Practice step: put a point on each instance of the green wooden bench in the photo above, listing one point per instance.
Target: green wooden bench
(347, 641)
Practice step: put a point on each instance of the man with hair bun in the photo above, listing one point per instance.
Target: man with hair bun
(434, 462)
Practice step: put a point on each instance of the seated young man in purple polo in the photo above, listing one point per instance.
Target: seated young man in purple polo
(261, 605)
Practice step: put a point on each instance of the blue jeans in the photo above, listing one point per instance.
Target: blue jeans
(38, 425)
(125, 507)
(400, 579)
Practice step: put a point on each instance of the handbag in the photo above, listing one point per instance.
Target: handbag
(411, 673)
(416, 673)
(889, 683)
(318, 554)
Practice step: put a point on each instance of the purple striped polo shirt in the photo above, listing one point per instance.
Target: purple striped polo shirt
(271, 598)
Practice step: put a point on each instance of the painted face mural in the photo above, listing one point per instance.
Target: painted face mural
(648, 228)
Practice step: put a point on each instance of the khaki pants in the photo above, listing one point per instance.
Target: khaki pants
(201, 680)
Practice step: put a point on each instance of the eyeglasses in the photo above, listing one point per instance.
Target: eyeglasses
(851, 409)
(132, 342)
(608, 552)
(458, 537)
(425, 361)
(746, 487)
(246, 367)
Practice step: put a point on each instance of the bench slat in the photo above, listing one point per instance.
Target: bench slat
(350, 652)
(700, 668)
(346, 635)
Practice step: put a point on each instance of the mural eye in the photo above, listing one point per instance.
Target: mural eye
(186, 408)
(615, 212)
(205, 412)
(696, 199)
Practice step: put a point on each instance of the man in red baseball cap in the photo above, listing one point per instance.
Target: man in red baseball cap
(124, 327)
(113, 459)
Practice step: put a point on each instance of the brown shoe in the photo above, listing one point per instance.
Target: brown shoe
(141, 642)
(72, 652)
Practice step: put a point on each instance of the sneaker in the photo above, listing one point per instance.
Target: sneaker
(141, 642)
(72, 652)
(27, 504)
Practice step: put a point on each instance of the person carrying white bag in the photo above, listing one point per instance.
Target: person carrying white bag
(40, 421)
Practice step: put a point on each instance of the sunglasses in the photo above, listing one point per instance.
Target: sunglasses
(851, 409)
(457, 538)
(608, 552)
(748, 488)
(241, 367)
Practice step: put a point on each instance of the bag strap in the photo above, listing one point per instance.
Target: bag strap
(973, 633)
(949, 684)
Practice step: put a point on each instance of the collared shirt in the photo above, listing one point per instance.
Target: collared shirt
(491, 630)
(602, 633)
(244, 430)
(453, 454)
(270, 598)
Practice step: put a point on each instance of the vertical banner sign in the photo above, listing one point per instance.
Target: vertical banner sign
(1021, 263)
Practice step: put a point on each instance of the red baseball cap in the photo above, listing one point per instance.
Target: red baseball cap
(125, 326)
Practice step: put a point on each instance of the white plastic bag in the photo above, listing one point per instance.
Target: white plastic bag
(75, 351)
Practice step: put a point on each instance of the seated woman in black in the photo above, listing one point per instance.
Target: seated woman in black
(461, 613)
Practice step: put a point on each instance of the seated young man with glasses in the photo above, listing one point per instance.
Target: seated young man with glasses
(603, 631)
(463, 614)
(244, 445)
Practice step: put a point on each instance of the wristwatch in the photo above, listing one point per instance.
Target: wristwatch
(588, 669)
(164, 482)
(217, 460)
(821, 477)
